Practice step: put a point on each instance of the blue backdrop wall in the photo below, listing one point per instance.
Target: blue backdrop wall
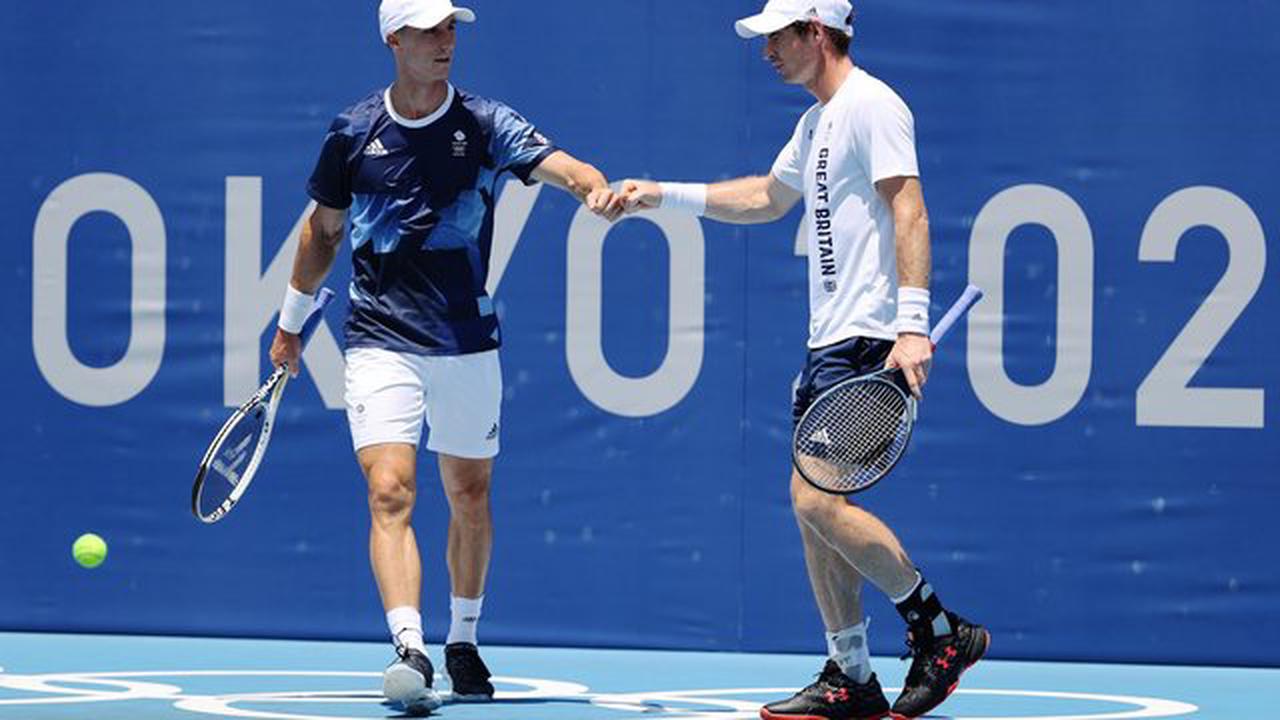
(1095, 472)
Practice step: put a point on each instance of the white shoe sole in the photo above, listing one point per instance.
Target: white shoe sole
(404, 685)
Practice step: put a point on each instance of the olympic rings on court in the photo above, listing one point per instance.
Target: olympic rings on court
(706, 704)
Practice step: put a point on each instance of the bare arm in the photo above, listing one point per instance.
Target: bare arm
(750, 200)
(317, 246)
(743, 201)
(910, 228)
(581, 180)
(912, 352)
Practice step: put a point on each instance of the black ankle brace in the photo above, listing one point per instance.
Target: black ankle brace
(923, 611)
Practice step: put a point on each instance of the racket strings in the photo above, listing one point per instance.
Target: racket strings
(232, 461)
(853, 436)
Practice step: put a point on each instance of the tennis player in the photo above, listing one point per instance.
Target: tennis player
(853, 160)
(413, 168)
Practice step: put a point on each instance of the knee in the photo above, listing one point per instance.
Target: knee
(812, 506)
(390, 495)
(470, 501)
(469, 497)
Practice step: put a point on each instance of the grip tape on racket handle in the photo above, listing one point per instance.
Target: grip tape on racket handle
(971, 295)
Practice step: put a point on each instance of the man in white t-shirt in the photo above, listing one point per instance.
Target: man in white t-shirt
(852, 158)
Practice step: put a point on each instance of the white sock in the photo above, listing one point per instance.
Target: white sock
(406, 628)
(464, 616)
(848, 648)
(898, 600)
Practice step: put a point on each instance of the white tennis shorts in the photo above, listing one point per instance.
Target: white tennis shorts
(389, 393)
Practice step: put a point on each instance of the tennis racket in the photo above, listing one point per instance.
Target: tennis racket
(233, 457)
(855, 432)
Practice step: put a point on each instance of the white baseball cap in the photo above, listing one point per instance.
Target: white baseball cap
(778, 14)
(421, 14)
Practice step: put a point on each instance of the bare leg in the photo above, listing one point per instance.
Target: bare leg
(393, 548)
(837, 586)
(857, 536)
(466, 484)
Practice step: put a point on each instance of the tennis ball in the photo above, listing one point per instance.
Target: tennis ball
(89, 550)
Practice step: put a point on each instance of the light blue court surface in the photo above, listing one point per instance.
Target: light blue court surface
(140, 678)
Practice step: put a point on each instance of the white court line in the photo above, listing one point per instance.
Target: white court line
(1146, 707)
(654, 704)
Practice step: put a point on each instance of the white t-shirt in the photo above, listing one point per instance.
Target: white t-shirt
(864, 134)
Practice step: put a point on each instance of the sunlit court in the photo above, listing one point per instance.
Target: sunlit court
(668, 359)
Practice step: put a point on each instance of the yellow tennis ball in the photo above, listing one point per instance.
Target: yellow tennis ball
(89, 550)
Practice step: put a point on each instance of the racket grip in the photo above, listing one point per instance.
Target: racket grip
(971, 295)
(317, 314)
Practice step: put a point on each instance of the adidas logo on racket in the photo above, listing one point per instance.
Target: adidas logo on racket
(232, 459)
(855, 432)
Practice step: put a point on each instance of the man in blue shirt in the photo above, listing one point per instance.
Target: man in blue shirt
(414, 168)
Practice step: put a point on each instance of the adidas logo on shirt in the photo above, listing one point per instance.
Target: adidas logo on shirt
(375, 148)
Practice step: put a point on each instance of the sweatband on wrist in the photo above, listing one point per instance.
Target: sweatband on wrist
(295, 309)
(913, 311)
(690, 197)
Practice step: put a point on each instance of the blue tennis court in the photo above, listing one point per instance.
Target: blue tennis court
(616, 248)
(163, 678)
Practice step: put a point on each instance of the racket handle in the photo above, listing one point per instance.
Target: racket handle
(971, 295)
(317, 314)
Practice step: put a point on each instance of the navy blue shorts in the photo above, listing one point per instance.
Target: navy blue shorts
(833, 364)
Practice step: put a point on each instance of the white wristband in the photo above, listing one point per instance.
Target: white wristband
(913, 311)
(690, 197)
(295, 309)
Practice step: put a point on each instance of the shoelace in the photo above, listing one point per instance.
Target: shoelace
(819, 682)
(920, 664)
(912, 648)
(405, 655)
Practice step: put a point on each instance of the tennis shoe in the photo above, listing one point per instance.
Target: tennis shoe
(833, 696)
(937, 664)
(468, 673)
(408, 682)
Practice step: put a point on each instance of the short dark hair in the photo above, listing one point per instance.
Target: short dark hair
(839, 41)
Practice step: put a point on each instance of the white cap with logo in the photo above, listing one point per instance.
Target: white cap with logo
(421, 14)
(778, 14)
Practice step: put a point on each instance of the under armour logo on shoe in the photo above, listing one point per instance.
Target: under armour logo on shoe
(837, 695)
